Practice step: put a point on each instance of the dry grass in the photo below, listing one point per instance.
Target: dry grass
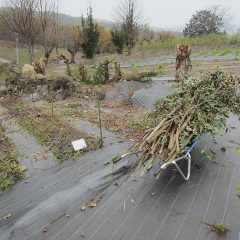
(51, 131)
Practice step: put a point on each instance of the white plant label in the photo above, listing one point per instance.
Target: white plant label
(79, 144)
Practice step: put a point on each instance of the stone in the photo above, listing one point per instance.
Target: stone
(28, 71)
(39, 88)
(3, 91)
(23, 168)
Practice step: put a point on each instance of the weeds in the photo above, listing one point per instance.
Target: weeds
(211, 40)
(10, 170)
(3, 77)
(238, 191)
(220, 229)
(70, 112)
(198, 63)
(237, 151)
(203, 53)
(96, 75)
(116, 123)
(141, 75)
(140, 124)
(53, 133)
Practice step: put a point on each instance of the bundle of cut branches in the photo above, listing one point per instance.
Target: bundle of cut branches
(199, 105)
(183, 53)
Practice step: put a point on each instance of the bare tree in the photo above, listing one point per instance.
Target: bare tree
(47, 19)
(56, 30)
(129, 18)
(20, 16)
(145, 33)
(225, 15)
(73, 39)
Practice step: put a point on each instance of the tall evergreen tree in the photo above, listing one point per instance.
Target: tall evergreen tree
(90, 35)
(118, 39)
(129, 18)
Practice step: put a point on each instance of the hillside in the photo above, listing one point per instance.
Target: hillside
(67, 19)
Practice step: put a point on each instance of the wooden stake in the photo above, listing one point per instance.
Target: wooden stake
(100, 123)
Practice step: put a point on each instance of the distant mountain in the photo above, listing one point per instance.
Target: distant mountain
(69, 20)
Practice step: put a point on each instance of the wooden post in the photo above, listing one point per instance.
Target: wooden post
(66, 61)
(82, 72)
(100, 123)
(106, 70)
(52, 104)
(118, 74)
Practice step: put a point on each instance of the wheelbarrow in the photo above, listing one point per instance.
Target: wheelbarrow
(185, 155)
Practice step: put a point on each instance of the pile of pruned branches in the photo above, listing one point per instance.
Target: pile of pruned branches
(199, 105)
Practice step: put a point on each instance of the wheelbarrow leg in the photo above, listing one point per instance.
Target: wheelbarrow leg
(185, 177)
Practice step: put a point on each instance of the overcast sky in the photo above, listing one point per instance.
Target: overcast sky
(159, 13)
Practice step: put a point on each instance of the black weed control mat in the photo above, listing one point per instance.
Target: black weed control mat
(55, 205)
(146, 98)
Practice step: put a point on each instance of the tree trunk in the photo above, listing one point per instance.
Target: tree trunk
(48, 53)
(129, 50)
(72, 57)
(31, 53)
(118, 74)
(57, 54)
(130, 46)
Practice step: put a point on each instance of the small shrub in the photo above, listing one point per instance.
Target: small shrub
(141, 75)
(118, 39)
(198, 63)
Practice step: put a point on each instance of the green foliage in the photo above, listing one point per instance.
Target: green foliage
(202, 23)
(99, 77)
(238, 151)
(198, 63)
(207, 99)
(141, 75)
(140, 124)
(90, 35)
(3, 76)
(207, 41)
(96, 77)
(235, 39)
(129, 20)
(238, 191)
(203, 53)
(161, 67)
(118, 39)
(221, 228)
(10, 170)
